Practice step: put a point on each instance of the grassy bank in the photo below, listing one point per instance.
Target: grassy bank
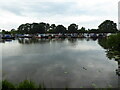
(6, 85)
(25, 84)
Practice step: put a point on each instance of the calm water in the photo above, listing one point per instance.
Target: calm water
(58, 63)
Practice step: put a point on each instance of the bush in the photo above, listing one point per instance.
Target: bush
(114, 41)
(7, 85)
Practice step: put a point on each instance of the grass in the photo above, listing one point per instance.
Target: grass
(27, 84)
(6, 85)
(24, 84)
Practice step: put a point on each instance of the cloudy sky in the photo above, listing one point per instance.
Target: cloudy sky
(86, 13)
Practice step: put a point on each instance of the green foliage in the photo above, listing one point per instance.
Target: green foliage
(108, 27)
(42, 87)
(27, 84)
(7, 85)
(114, 42)
(60, 29)
(5, 32)
(82, 30)
(103, 42)
(112, 46)
(93, 31)
(94, 85)
(72, 28)
(33, 28)
(13, 31)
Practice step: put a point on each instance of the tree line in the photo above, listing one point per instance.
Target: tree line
(107, 26)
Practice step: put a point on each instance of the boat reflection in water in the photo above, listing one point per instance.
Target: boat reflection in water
(36, 40)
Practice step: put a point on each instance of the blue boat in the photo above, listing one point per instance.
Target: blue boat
(7, 37)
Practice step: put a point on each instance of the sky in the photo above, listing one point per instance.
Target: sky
(85, 13)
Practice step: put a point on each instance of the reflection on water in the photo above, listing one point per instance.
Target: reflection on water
(58, 62)
(33, 40)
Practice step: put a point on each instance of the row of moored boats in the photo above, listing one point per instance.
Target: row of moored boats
(50, 36)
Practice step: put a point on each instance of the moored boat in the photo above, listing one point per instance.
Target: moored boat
(24, 36)
(8, 37)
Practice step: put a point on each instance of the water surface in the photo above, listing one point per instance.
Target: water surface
(58, 63)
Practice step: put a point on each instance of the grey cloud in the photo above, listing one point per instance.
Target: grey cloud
(54, 11)
(38, 7)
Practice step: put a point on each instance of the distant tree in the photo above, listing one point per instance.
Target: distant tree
(42, 27)
(13, 31)
(108, 27)
(82, 30)
(47, 27)
(33, 28)
(52, 28)
(72, 28)
(5, 32)
(60, 29)
(22, 28)
(93, 31)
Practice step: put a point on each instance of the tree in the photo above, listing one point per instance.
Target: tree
(33, 28)
(72, 28)
(20, 28)
(42, 27)
(108, 27)
(47, 27)
(13, 31)
(52, 28)
(82, 30)
(24, 28)
(93, 31)
(60, 29)
(5, 32)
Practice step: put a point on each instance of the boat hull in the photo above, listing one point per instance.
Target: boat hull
(8, 37)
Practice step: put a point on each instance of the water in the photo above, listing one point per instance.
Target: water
(58, 63)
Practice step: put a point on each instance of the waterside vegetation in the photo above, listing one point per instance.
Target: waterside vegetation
(27, 84)
(112, 46)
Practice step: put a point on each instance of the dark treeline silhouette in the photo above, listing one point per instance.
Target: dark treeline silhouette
(107, 26)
